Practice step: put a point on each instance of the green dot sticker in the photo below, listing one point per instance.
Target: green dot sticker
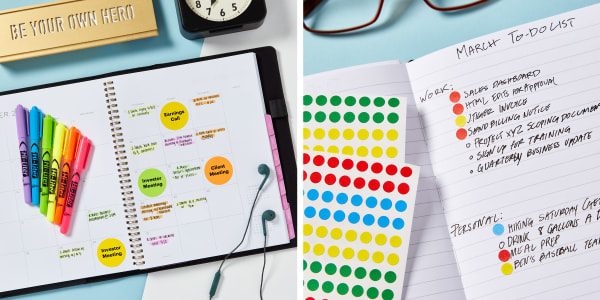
(349, 117)
(307, 100)
(375, 275)
(363, 117)
(312, 285)
(350, 101)
(379, 102)
(330, 269)
(345, 271)
(307, 116)
(315, 267)
(152, 182)
(360, 273)
(304, 265)
(390, 277)
(335, 100)
(335, 117)
(393, 118)
(378, 117)
(327, 287)
(357, 291)
(364, 101)
(321, 100)
(342, 289)
(394, 102)
(387, 295)
(372, 293)
(320, 117)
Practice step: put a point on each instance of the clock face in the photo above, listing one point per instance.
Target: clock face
(218, 10)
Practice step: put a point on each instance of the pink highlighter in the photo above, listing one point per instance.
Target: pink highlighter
(81, 158)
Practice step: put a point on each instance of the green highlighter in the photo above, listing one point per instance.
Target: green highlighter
(47, 139)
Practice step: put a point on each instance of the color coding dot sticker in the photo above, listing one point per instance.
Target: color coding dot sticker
(498, 229)
(461, 134)
(307, 100)
(330, 269)
(335, 100)
(357, 291)
(174, 115)
(315, 267)
(390, 277)
(394, 102)
(403, 188)
(372, 293)
(350, 101)
(335, 117)
(307, 229)
(342, 289)
(111, 253)
(506, 269)
(312, 285)
(387, 295)
(364, 101)
(378, 257)
(327, 287)
(321, 100)
(458, 109)
(218, 170)
(345, 271)
(504, 255)
(460, 121)
(455, 96)
(306, 116)
(395, 241)
(360, 272)
(405, 172)
(152, 182)
(380, 239)
(379, 102)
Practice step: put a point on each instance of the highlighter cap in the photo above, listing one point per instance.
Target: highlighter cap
(83, 151)
(48, 136)
(35, 124)
(22, 121)
(70, 146)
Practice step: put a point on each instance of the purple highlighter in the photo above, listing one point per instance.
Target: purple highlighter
(23, 132)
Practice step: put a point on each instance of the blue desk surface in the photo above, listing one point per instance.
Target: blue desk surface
(168, 46)
(408, 29)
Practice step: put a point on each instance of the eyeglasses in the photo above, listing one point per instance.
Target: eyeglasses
(339, 16)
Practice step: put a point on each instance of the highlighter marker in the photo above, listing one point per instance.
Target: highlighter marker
(47, 137)
(65, 170)
(35, 135)
(23, 133)
(79, 164)
(60, 132)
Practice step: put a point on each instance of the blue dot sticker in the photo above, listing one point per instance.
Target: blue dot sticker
(324, 214)
(353, 218)
(371, 202)
(339, 216)
(356, 200)
(327, 196)
(386, 203)
(341, 198)
(383, 221)
(498, 229)
(312, 195)
(368, 219)
(398, 223)
(401, 205)
(310, 212)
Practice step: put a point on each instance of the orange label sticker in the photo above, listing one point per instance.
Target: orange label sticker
(218, 170)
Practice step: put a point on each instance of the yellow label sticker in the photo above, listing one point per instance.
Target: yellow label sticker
(174, 115)
(111, 253)
(218, 170)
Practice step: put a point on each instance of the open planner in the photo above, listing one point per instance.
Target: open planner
(171, 177)
(504, 128)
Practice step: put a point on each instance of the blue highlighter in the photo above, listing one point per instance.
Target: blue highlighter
(35, 135)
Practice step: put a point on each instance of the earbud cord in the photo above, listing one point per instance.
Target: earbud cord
(262, 275)
(243, 237)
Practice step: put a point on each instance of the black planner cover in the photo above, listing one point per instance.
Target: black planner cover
(274, 99)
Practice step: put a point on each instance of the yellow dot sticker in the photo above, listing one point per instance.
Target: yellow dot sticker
(174, 115)
(321, 231)
(380, 239)
(363, 255)
(306, 133)
(318, 148)
(363, 134)
(507, 269)
(460, 121)
(392, 135)
(391, 152)
(333, 251)
(377, 134)
(336, 233)
(334, 134)
(348, 134)
(365, 237)
(395, 241)
(218, 170)
(111, 253)
(305, 247)
(333, 149)
(362, 151)
(393, 259)
(377, 151)
(308, 230)
(319, 133)
(351, 235)
(319, 249)
(348, 253)
(347, 150)
(378, 257)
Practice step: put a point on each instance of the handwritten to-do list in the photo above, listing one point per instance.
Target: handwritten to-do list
(512, 131)
(362, 126)
(357, 222)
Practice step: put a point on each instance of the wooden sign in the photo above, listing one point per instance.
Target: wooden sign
(69, 25)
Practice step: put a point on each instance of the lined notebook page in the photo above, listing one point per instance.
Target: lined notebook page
(511, 121)
(431, 271)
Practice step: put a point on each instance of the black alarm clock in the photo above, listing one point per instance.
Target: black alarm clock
(204, 18)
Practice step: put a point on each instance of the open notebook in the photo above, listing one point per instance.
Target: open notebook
(171, 178)
(505, 126)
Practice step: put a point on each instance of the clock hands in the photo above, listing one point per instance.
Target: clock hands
(212, 2)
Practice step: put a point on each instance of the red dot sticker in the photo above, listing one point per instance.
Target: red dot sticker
(391, 170)
(330, 179)
(305, 175)
(333, 162)
(374, 185)
(347, 164)
(406, 172)
(388, 186)
(318, 160)
(455, 96)
(458, 109)
(461, 134)
(359, 183)
(376, 168)
(504, 255)
(306, 158)
(344, 181)
(403, 188)
(362, 165)
(310, 298)
(315, 177)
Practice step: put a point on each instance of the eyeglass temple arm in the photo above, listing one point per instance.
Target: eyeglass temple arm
(310, 5)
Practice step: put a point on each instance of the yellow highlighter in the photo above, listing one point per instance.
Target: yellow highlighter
(57, 147)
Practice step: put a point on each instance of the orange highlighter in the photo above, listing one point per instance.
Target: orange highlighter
(69, 149)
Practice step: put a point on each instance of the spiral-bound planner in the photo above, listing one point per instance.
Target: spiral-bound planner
(171, 178)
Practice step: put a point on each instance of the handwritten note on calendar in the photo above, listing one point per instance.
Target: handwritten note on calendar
(357, 222)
